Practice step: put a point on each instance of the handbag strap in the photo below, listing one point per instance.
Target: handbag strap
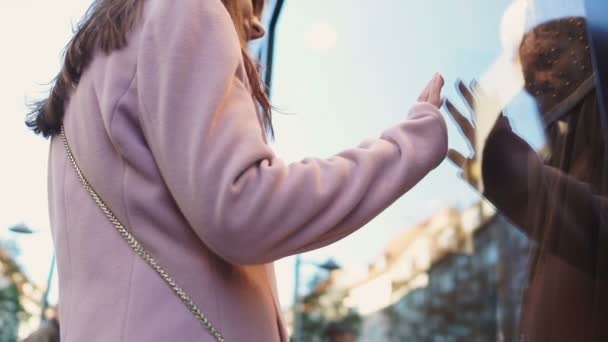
(138, 248)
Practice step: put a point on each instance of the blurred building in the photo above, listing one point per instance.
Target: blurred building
(19, 300)
(458, 276)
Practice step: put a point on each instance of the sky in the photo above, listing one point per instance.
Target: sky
(353, 69)
(345, 70)
(32, 33)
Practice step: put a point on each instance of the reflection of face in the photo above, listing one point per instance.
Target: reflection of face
(251, 12)
(556, 60)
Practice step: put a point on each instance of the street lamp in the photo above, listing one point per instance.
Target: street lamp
(329, 265)
(23, 229)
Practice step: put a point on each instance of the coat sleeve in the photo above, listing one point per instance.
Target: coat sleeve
(243, 201)
(517, 181)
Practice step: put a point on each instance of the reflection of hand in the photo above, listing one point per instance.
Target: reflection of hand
(504, 153)
(432, 92)
(469, 166)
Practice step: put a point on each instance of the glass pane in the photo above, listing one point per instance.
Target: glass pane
(554, 189)
(503, 241)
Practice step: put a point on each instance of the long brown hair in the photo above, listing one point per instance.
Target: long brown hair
(105, 26)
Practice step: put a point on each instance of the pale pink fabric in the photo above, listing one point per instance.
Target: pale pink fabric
(167, 132)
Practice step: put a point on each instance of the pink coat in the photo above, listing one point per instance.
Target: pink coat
(167, 133)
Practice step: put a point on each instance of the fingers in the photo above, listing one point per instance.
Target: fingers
(435, 91)
(424, 96)
(432, 92)
(463, 123)
(468, 168)
(457, 158)
(467, 95)
(474, 87)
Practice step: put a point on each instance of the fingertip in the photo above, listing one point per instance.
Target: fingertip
(473, 85)
(448, 103)
(458, 83)
(439, 80)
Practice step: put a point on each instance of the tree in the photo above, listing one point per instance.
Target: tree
(325, 305)
(11, 290)
(10, 310)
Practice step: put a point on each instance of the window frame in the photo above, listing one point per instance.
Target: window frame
(597, 25)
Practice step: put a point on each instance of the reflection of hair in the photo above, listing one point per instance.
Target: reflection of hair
(105, 26)
(252, 69)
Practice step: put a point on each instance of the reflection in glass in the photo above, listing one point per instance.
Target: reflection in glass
(557, 196)
(534, 273)
(558, 199)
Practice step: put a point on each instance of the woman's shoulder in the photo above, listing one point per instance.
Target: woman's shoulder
(189, 44)
(194, 24)
(200, 13)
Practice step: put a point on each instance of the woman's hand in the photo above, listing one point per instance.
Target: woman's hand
(432, 92)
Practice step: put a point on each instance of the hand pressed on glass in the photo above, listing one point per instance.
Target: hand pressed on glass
(432, 92)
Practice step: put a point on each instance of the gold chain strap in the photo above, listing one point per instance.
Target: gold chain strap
(138, 248)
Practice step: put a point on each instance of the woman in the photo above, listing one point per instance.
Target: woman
(166, 117)
(559, 200)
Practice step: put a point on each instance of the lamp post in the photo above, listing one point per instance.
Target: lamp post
(44, 303)
(270, 44)
(45, 296)
(329, 265)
